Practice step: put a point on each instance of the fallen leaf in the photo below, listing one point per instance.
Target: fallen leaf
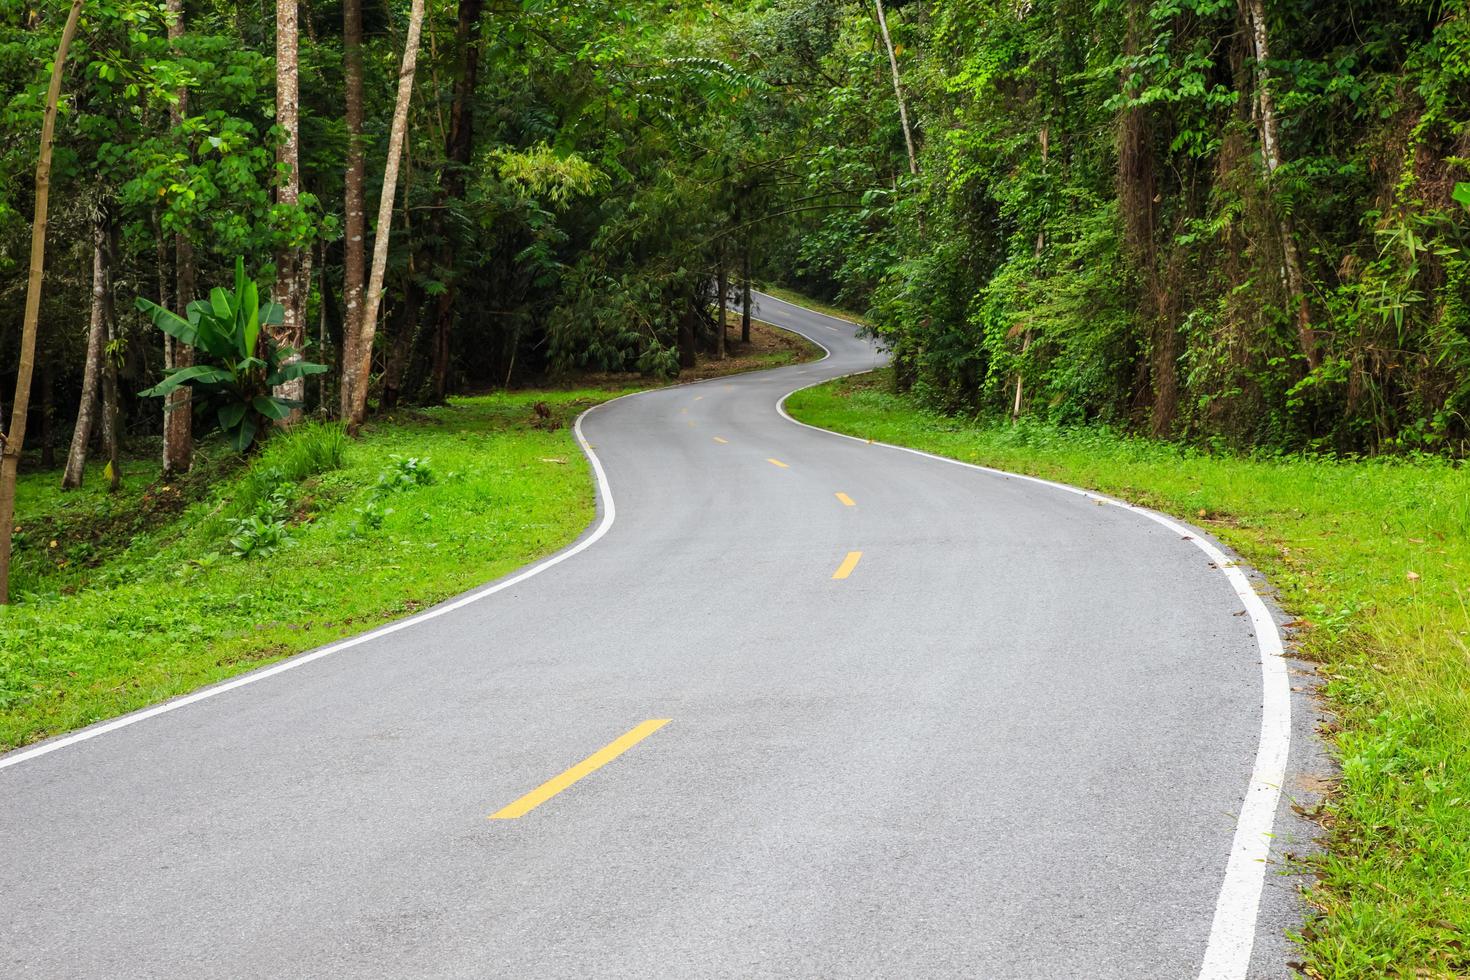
(1412, 576)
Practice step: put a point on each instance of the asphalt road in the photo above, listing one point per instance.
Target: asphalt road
(1012, 741)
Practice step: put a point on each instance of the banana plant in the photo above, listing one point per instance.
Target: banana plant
(243, 365)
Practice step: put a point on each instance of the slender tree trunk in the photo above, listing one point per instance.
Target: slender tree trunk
(81, 435)
(722, 283)
(459, 143)
(111, 432)
(1254, 12)
(178, 415)
(360, 369)
(903, 112)
(354, 251)
(287, 288)
(13, 440)
(745, 296)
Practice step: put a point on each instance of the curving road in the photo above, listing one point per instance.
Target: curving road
(905, 719)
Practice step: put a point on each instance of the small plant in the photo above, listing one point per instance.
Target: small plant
(405, 474)
(264, 531)
(227, 329)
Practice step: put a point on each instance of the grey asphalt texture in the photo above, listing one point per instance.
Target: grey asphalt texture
(1011, 744)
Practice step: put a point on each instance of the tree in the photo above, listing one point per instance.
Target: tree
(81, 437)
(12, 441)
(357, 372)
(293, 268)
(903, 112)
(354, 220)
(178, 428)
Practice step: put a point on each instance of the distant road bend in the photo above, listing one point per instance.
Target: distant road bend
(796, 706)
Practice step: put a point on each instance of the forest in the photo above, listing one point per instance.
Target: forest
(1233, 223)
(1238, 230)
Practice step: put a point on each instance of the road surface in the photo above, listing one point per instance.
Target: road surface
(847, 712)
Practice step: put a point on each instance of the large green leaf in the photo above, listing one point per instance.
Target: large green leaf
(170, 323)
(271, 408)
(222, 303)
(230, 414)
(243, 435)
(294, 370)
(201, 373)
(249, 304)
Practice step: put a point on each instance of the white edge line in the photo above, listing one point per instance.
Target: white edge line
(1233, 930)
(609, 514)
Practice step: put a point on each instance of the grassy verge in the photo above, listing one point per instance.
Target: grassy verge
(1374, 560)
(127, 599)
(801, 299)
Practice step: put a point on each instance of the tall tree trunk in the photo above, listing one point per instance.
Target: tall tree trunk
(81, 435)
(358, 373)
(459, 144)
(745, 295)
(111, 433)
(287, 288)
(354, 228)
(1269, 127)
(178, 415)
(12, 441)
(722, 283)
(903, 112)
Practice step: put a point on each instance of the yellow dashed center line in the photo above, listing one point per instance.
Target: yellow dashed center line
(586, 767)
(848, 564)
(846, 500)
(721, 441)
(777, 462)
(698, 397)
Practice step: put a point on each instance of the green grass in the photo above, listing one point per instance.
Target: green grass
(801, 299)
(142, 599)
(1374, 558)
(124, 600)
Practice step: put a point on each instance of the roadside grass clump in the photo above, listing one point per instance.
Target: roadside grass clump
(177, 609)
(1372, 558)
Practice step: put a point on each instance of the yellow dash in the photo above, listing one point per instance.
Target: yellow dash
(691, 423)
(777, 462)
(721, 441)
(586, 767)
(846, 500)
(698, 397)
(683, 411)
(848, 564)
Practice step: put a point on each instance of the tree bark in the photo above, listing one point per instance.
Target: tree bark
(903, 112)
(178, 415)
(13, 440)
(81, 435)
(354, 252)
(111, 433)
(722, 283)
(1268, 125)
(459, 145)
(357, 379)
(287, 287)
(745, 296)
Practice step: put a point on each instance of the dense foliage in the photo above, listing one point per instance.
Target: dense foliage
(1111, 223)
(1116, 211)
